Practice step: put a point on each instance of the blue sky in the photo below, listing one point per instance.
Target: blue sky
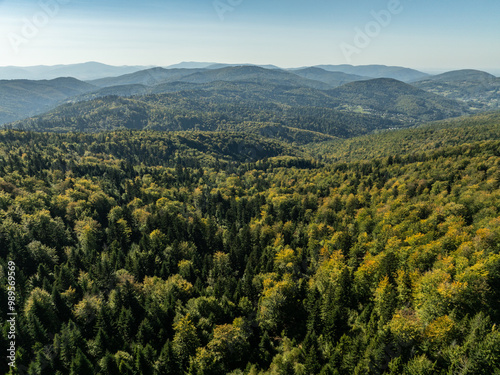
(422, 34)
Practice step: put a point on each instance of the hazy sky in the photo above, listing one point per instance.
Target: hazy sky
(423, 34)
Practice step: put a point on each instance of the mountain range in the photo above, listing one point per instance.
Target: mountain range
(84, 71)
(94, 70)
(340, 100)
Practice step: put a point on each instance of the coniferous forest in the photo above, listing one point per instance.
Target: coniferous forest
(143, 252)
(231, 187)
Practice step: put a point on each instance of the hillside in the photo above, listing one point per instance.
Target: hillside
(322, 99)
(428, 137)
(334, 79)
(232, 96)
(253, 74)
(460, 76)
(250, 74)
(397, 99)
(200, 110)
(23, 98)
(148, 77)
(378, 71)
(479, 89)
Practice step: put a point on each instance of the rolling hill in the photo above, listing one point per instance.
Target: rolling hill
(23, 98)
(201, 110)
(353, 109)
(378, 71)
(247, 73)
(478, 88)
(380, 97)
(427, 137)
(333, 79)
(147, 77)
(253, 74)
(311, 99)
(461, 76)
(389, 97)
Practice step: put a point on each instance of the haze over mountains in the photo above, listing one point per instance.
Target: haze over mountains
(94, 70)
(340, 100)
(84, 71)
(378, 71)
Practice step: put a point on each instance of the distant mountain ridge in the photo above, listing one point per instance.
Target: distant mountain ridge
(148, 77)
(462, 75)
(190, 65)
(378, 71)
(332, 78)
(220, 65)
(94, 70)
(252, 74)
(248, 73)
(85, 71)
(475, 87)
(215, 104)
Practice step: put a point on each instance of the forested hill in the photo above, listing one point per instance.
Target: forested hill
(353, 109)
(352, 91)
(23, 98)
(392, 97)
(378, 71)
(333, 79)
(472, 86)
(429, 137)
(209, 253)
(204, 110)
(129, 149)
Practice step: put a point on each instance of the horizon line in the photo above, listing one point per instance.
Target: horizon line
(428, 70)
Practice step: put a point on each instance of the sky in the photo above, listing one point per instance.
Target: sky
(427, 35)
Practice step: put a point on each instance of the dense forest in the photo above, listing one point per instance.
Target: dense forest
(215, 99)
(189, 111)
(142, 252)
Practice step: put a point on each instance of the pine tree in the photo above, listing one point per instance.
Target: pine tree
(108, 365)
(81, 364)
(167, 363)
